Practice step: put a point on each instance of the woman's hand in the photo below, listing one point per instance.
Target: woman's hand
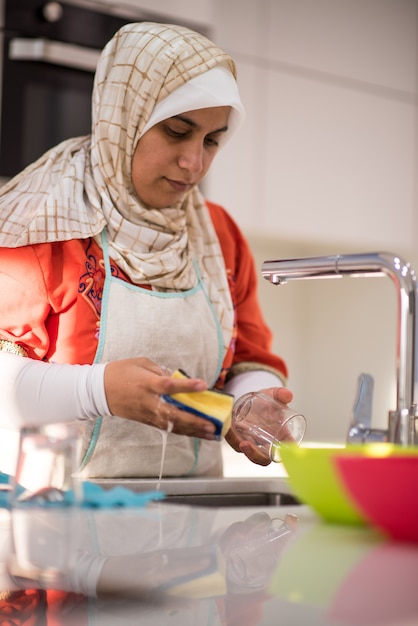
(134, 388)
(236, 441)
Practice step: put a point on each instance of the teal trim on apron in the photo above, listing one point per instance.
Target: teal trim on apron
(103, 322)
(218, 328)
(103, 334)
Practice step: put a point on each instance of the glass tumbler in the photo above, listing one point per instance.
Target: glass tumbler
(46, 466)
(267, 423)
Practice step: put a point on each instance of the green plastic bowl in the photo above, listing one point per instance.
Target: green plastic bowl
(315, 481)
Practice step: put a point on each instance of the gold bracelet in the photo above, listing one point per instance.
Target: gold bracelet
(9, 346)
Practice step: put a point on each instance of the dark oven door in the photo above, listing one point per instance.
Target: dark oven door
(49, 50)
(47, 104)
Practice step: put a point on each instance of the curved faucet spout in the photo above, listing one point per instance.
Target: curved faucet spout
(402, 275)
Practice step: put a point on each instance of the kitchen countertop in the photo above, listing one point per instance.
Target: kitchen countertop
(170, 563)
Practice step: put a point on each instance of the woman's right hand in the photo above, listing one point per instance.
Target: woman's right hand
(134, 388)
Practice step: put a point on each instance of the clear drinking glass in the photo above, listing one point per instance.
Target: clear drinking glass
(267, 423)
(46, 466)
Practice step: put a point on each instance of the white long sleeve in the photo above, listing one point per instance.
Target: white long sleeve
(36, 393)
(253, 380)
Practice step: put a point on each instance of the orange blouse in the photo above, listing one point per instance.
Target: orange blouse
(51, 296)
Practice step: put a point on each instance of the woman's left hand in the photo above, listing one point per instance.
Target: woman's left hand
(236, 441)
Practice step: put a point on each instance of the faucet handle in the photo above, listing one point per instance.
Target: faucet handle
(363, 403)
(360, 429)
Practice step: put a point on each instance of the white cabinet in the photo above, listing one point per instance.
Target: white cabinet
(328, 153)
(339, 163)
(369, 42)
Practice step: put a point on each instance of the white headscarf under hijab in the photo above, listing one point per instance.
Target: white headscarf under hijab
(147, 72)
(216, 87)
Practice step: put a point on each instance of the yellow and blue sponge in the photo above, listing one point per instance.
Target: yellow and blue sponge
(211, 404)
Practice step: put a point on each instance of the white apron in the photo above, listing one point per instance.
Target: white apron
(175, 330)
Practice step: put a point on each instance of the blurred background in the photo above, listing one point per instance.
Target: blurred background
(326, 163)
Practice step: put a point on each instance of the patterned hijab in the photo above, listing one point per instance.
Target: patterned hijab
(83, 185)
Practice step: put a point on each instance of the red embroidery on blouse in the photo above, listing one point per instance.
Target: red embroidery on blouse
(92, 281)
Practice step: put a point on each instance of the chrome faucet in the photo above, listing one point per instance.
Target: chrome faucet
(402, 422)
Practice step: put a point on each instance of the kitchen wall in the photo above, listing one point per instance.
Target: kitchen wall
(326, 163)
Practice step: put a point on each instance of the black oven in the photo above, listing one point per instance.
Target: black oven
(49, 54)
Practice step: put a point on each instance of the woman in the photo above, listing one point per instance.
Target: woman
(115, 271)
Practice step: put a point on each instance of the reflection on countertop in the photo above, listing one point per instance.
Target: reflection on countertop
(174, 564)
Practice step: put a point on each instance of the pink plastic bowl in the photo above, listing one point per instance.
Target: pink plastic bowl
(385, 489)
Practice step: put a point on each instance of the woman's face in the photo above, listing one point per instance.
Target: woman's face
(175, 155)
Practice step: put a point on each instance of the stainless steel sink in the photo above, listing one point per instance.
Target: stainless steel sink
(219, 492)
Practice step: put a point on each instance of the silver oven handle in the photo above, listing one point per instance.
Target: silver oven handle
(55, 52)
